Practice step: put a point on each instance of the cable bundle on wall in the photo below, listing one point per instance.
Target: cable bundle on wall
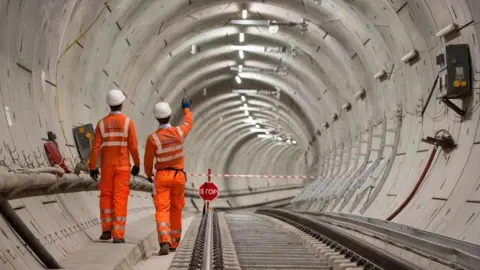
(416, 187)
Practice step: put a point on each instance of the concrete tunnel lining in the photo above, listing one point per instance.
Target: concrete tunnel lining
(345, 45)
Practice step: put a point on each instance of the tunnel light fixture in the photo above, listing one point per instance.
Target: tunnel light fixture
(360, 94)
(247, 113)
(268, 23)
(280, 71)
(253, 122)
(243, 98)
(241, 54)
(447, 30)
(194, 49)
(250, 48)
(244, 14)
(280, 139)
(258, 48)
(245, 91)
(265, 136)
(241, 37)
(249, 109)
(257, 126)
(237, 78)
(250, 118)
(379, 74)
(347, 106)
(258, 130)
(272, 93)
(409, 56)
(251, 22)
(294, 142)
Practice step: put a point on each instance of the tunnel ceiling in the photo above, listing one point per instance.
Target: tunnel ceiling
(331, 51)
(314, 74)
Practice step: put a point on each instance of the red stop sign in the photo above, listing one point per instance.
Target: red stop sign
(208, 191)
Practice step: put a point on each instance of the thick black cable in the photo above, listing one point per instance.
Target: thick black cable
(431, 92)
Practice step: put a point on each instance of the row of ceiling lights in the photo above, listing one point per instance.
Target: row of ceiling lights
(258, 128)
(241, 54)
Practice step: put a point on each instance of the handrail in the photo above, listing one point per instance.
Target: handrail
(207, 259)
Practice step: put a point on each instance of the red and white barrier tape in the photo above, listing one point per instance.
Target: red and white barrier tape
(260, 176)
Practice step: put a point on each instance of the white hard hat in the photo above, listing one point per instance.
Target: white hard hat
(115, 97)
(162, 110)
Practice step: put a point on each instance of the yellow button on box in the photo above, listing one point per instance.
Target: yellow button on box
(464, 83)
(456, 83)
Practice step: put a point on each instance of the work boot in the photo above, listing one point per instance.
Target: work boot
(118, 240)
(107, 235)
(164, 248)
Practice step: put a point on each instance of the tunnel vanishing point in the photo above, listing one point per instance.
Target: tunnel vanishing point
(366, 107)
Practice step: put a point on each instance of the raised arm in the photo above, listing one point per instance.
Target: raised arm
(187, 122)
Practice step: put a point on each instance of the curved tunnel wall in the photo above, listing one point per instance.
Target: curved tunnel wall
(369, 159)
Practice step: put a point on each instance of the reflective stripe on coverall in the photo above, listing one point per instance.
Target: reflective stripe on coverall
(115, 136)
(166, 147)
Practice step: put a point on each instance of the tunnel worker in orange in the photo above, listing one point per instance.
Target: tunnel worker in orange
(116, 138)
(166, 147)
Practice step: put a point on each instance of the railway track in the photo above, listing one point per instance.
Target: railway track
(264, 243)
(273, 239)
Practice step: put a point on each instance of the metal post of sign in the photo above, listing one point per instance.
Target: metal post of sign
(209, 180)
(206, 204)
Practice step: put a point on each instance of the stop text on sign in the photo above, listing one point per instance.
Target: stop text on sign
(208, 191)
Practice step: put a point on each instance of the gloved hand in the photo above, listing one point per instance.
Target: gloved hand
(94, 174)
(185, 103)
(135, 170)
(150, 180)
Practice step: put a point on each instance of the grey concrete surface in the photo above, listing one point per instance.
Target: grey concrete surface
(154, 262)
(58, 59)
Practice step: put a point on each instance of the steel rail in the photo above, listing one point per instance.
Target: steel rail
(207, 258)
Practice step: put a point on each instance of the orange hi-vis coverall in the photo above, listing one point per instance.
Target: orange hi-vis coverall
(115, 136)
(166, 147)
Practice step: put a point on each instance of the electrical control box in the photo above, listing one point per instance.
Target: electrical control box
(459, 71)
(84, 136)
